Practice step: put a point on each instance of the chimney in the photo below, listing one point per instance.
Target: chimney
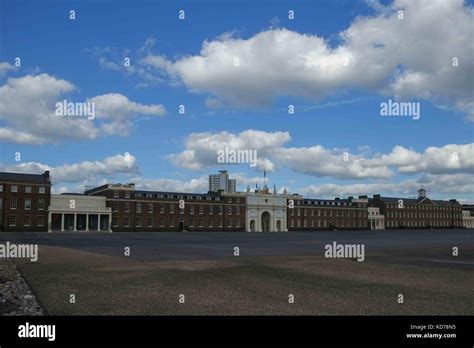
(377, 196)
(46, 176)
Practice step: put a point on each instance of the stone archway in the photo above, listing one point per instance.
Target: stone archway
(265, 220)
(279, 225)
(252, 225)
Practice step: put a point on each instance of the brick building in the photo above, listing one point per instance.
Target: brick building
(420, 212)
(327, 214)
(141, 211)
(24, 201)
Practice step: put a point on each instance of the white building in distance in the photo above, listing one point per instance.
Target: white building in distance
(221, 182)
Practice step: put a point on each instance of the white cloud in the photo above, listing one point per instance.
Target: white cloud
(447, 184)
(406, 58)
(86, 171)
(201, 148)
(199, 185)
(201, 152)
(27, 106)
(5, 67)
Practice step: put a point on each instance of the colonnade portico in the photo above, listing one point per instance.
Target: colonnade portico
(71, 212)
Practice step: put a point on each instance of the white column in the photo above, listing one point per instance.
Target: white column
(50, 222)
(98, 222)
(75, 220)
(62, 222)
(87, 222)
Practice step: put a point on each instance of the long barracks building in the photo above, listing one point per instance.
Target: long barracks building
(26, 204)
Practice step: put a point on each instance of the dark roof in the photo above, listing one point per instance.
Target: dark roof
(26, 178)
(414, 200)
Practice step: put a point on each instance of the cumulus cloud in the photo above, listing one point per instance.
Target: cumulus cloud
(446, 184)
(201, 152)
(202, 148)
(28, 105)
(86, 171)
(409, 57)
(5, 67)
(199, 185)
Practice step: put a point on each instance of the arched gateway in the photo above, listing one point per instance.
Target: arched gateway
(265, 221)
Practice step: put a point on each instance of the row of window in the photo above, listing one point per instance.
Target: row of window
(191, 209)
(335, 203)
(127, 195)
(419, 206)
(12, 220)
(416, 223)
(28, 189)
(324, 223)
(41, 204)
(171, 223)
(411, 214)
(329, 212)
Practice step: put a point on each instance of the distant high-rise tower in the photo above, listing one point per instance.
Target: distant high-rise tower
(222, 182)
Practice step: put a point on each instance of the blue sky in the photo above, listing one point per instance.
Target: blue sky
(337, 111)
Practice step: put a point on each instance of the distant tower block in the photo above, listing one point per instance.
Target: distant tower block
(421, 193)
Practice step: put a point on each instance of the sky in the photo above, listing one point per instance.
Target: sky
(237, 68)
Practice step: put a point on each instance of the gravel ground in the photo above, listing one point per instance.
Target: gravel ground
(112, 285)
(16, 297)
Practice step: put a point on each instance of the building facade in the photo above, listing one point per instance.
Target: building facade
(77, 212)
(376, 220)
(24, 201)
(26, 204)
(418, 213)
(141, 211)
(326, 214)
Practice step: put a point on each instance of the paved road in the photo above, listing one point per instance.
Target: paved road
(206, 245)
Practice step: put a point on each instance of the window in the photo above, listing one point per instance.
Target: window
(162, 222)
(237, 223)
(14, 188)
(171, 222)
(138, 222)
(150, 222)
(1, 187)
(171, 208)
(211, 210)
(116, 194)
(28, 189)
(162, 208)
(11, 220)
(191, 209)
(229, 210)
(115, 221)
(40, 220)
(115, 206)
(209, 222)
(150, 207)
(138, 207)
(200, 222)
(237, 210)
(191, 222)
(127, 207)
(220, 222)
(127, 194)
(41, 189)
(26, 220)
(126, 221)
(220, 209)
(13, 203)
(1, 203)
(27, 204)
(41, 204)
(201, 209)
